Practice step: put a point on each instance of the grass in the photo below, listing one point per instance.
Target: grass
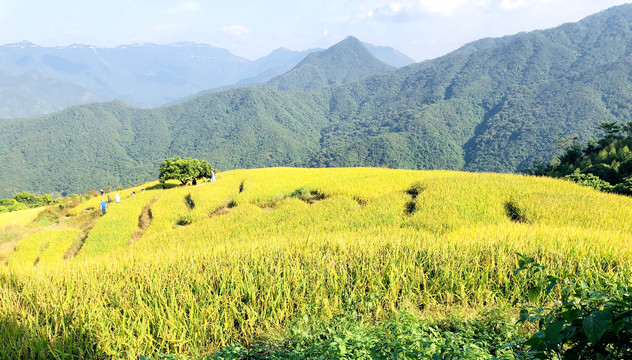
(262, 248)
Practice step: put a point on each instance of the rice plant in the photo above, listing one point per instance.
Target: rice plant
(265, 247)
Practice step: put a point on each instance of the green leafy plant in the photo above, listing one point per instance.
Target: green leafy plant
(589, 180)
(588, 322)
(185, 219)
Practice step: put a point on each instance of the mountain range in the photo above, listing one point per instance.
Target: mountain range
(143, 75)
(493, 105)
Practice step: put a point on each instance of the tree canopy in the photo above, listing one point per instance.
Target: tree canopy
(24, 200)
(604, 163)
(185, 170)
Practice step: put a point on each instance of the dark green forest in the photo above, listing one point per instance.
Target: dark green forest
(493, 105)
(604, 162)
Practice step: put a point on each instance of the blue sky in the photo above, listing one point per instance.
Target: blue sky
(422, 29)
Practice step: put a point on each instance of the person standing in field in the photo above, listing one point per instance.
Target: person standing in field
(117, 198)
(212, 176)
(104, 206)
(109, 199)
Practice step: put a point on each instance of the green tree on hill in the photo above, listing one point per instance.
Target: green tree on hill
(24, 200)
(184, 170)
(604, 163)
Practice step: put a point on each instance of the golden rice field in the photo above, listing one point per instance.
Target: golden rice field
(191, 269)
(18, 218)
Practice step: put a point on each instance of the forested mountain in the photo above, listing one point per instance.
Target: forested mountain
(345, 62)
(142, 75)
(493, 105)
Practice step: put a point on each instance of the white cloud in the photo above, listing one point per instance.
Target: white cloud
(444, 7)
(410, 9)
(236, 30)
(517, 4)
(192, 6)
(186, 7)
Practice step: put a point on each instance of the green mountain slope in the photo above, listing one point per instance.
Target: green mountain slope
(493, 105)
(345, 62)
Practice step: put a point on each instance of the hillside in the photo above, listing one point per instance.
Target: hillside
(345, 62)
(189, 270)
(493, 105)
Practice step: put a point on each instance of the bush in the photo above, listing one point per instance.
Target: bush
(625, 169)
(27, 199)
(589, 180)
(623, 188)
(403, 336)
(589, 322)
(7, 202)
(184, 220)
(604, 172)
(17, 207)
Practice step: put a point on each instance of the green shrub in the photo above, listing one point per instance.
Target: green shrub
(588, 322)
(589, 180)
(403, 336)
(604, 172)
(185, 219)
(623, 188)
(7, 202)
(309, 196)
(625, 169)
(17, 207)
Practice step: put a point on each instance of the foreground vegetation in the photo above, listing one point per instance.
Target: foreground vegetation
(194, 270)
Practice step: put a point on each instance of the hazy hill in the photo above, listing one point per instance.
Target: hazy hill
(389, 55)
(345, 62)
(32, 94)
(493, 105)
(142, 75)
(276, 63)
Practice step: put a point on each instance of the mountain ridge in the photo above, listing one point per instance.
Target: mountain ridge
(145, 75)
(344, 62)
(493, 105)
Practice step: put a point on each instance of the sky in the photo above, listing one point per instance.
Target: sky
(421, 29)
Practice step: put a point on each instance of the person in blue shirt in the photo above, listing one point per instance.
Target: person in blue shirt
(104, 206)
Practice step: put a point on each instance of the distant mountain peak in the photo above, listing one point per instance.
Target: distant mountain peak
(389, 55)
(21, 44)
(346, 61)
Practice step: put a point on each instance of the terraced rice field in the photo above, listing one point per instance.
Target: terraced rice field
(188, 270)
